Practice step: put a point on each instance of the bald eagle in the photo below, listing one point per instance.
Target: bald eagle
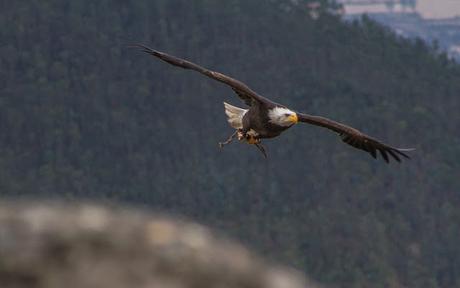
(266, 119)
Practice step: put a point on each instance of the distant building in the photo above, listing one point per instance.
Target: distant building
(315, 8)
(400, 15)
(389, 6)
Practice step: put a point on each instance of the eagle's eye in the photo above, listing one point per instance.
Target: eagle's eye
(286, 114)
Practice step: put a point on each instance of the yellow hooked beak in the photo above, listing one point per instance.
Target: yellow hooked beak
(293, 118)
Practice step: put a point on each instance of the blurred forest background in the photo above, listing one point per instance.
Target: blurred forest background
(84, 117)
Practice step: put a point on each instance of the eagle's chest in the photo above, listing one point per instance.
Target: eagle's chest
(257, 119)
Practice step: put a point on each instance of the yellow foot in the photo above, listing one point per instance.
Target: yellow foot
(252, 140)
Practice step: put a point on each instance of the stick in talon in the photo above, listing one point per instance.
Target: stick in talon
(262, 149)
(228, 141)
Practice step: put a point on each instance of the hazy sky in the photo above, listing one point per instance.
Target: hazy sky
(427, 8)
(439, 8)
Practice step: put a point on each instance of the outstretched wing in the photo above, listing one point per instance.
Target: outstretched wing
(243, 91)
(356, 138)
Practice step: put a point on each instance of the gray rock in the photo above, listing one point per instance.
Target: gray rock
(51, 245)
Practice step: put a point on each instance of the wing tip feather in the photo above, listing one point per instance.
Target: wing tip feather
(402, 151)
(144, 48)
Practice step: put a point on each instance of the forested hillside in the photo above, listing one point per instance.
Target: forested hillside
(83, 116)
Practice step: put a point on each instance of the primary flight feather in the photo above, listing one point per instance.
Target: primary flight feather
(267, 119)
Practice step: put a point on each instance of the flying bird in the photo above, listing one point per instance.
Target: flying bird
(266, 119)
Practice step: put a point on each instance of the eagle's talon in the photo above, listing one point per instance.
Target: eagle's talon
(228, 141)
(240, 135)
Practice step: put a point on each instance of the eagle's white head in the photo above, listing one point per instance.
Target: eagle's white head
(282, 116)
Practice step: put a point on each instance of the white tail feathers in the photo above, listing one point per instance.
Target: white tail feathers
(235, 115)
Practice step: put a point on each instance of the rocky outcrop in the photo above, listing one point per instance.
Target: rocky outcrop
(57, 245)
